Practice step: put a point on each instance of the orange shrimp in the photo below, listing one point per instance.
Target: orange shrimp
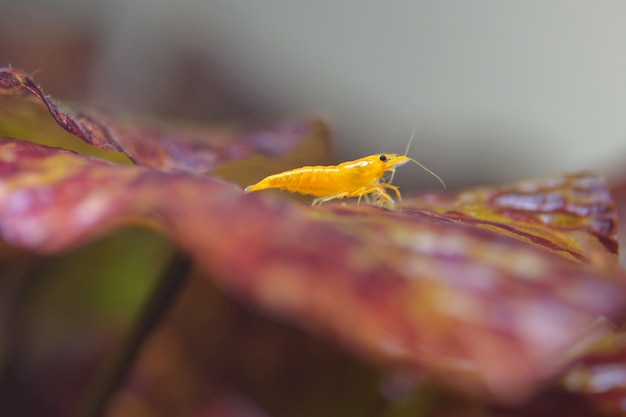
(361, 178)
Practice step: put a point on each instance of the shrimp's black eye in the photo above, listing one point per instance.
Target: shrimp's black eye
(383, 158)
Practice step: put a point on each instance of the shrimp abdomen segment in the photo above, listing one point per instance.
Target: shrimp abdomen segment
(318, 181)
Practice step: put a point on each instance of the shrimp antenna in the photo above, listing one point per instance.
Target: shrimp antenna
(429, 171)
(406, 152)
(408, 145)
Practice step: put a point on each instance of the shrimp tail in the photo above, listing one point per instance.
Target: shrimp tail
(254, 187)
(273, 181)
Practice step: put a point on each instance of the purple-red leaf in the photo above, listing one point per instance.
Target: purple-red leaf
(483, 291)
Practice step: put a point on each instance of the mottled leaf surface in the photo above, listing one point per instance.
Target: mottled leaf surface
(485, 300)
(572, 215)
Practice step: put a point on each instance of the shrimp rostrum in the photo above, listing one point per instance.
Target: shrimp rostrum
(362, 179)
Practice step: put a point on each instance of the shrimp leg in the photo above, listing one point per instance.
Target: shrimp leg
(392, 187)
(319, 201)
(380, 195)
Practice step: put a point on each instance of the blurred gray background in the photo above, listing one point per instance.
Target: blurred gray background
(498, 90)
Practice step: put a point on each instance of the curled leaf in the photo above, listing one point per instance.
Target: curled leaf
(14, 82)
(185, 148)
(488, 299)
